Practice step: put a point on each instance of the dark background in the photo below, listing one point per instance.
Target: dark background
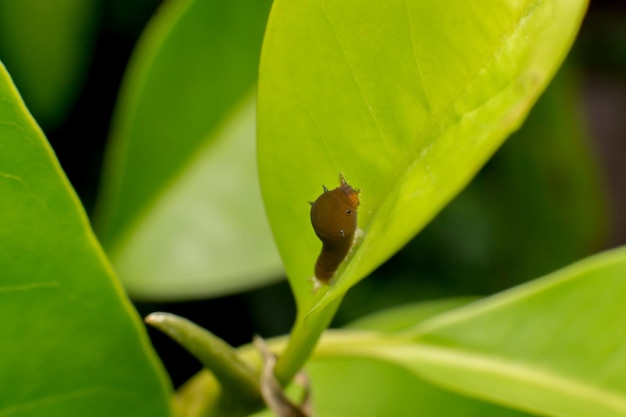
(459, 253)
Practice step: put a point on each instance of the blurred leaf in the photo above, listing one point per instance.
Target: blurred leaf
(358, 387)
(407, 99)
(537, 206)
(554, 346)
(181, 214)
(72, 344)
(551, 199)
(351, 387)
(47, 47)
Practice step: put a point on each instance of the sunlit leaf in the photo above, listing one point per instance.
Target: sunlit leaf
(406, 98)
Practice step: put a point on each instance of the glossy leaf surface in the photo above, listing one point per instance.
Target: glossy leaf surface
(406, 98)
(72, 344)
(538, 205)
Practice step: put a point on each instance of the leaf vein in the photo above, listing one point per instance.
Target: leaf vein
(418, 65)
(356, 79)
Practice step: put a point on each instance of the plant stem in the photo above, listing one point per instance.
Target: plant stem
(304, 336)
(236, 377)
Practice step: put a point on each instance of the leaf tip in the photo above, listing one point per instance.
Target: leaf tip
(155, 319)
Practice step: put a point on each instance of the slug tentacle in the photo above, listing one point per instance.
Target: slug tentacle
(334, 220)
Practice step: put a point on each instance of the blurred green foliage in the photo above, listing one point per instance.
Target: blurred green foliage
(47, 47)
(537, 205)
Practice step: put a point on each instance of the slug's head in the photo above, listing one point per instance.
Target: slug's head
(333, 214)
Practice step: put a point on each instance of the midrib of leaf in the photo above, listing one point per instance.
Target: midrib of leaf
(510, 374)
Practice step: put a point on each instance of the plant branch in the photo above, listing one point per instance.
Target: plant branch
(304, 336)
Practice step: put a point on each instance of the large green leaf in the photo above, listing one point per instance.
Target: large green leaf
(351, 387)
(554, 346)
(407, 99)
(72, 345)
(370, 387)
(47, 47)
(362, 387)
(181, 213)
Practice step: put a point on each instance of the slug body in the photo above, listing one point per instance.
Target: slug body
(333, 216)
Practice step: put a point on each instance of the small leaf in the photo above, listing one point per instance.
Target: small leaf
(72, 344)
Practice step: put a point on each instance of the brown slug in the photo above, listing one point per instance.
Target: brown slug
(333, 216)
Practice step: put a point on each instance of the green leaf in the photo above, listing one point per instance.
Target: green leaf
(351, 387)
(542, 187)
(181, 213)
(72, 343)
(47, 47)
(554, 346)
(407, 99)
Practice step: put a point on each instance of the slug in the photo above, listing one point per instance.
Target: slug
(333, 216)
